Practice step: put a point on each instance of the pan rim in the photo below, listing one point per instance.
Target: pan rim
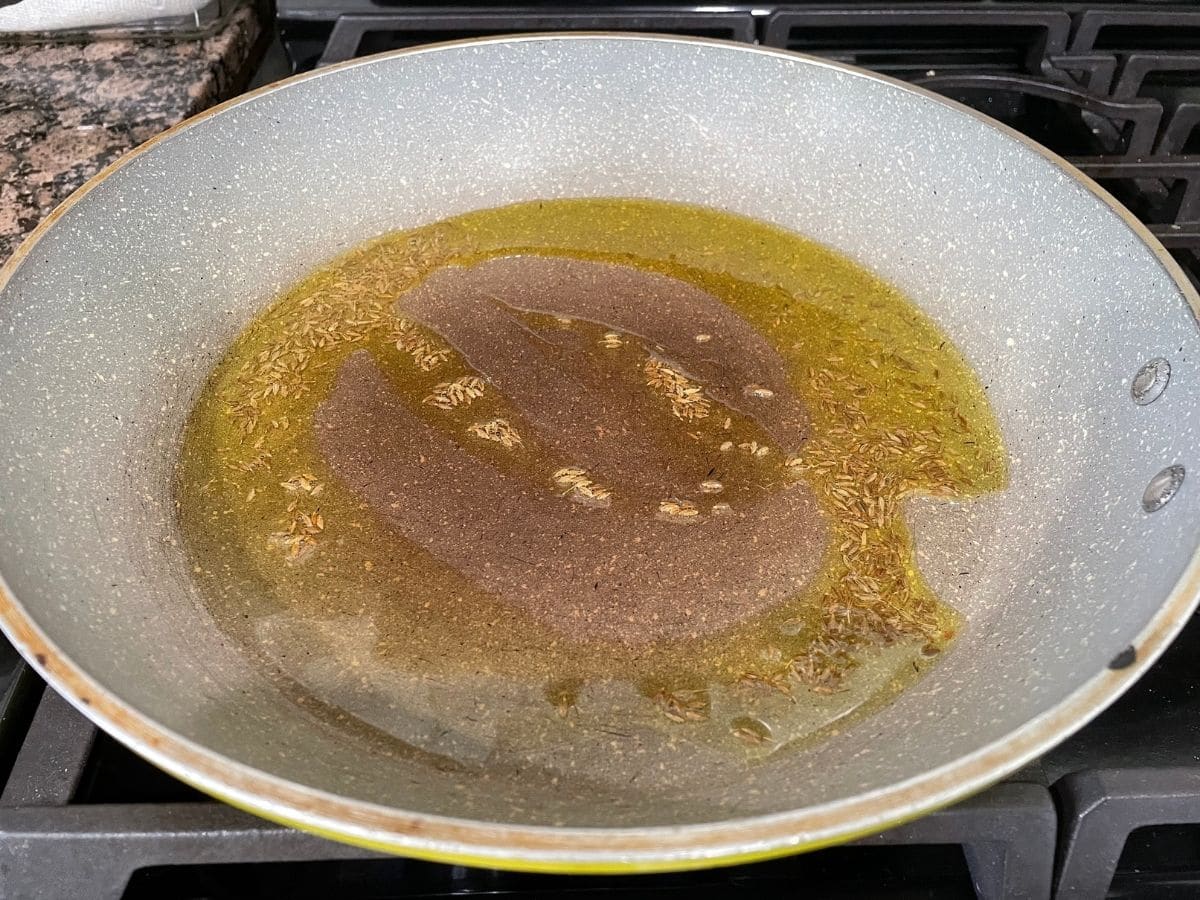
(562, 849)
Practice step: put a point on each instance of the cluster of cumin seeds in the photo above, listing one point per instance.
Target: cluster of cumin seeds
(352, 305)
(499, 431)
(459, 392)
(348, 310)
(861, 472)
(685, 396)
(575, 482)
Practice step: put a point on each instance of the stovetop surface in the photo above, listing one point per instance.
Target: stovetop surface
(1113, 810)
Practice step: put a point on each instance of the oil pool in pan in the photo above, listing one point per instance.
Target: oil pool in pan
(591, 461)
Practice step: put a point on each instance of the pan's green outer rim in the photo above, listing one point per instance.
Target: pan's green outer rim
(597, 850)
(616, 867)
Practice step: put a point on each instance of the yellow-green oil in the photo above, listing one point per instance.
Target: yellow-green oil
(276, 537)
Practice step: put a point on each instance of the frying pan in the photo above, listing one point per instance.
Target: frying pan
(1071, 581)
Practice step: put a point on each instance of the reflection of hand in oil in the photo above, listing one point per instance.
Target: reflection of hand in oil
(621, 386)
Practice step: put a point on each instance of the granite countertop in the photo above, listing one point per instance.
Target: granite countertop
(69, 109)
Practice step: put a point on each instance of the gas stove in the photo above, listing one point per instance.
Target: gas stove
(1113, 811)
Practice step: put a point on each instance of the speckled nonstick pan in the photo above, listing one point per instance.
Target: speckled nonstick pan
(1071, 581)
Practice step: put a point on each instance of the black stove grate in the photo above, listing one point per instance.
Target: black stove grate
(1115, 809)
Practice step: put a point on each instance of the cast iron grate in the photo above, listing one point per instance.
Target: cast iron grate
(1116, 88)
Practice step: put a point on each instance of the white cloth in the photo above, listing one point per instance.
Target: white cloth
(57, 15)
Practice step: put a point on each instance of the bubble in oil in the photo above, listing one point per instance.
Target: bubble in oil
(751, 731)
(1162, 488)
(1150, 381)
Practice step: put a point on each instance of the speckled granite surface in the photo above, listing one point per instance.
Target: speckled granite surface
(67, 110)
